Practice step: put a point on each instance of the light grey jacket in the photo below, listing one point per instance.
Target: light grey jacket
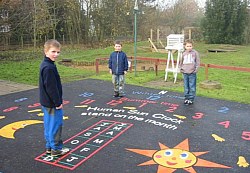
(190, 62)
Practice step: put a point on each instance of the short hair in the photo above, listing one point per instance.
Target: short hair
(188, 41)
(118, 42)
(51, 43)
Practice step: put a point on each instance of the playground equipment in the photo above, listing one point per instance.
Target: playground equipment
(158, 47)
(174, 43)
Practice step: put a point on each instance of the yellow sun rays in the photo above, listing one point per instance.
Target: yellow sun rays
(183, 147)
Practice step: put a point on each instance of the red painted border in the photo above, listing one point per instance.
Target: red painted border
(96, 151)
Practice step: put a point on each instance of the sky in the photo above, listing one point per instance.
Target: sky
(201, 3)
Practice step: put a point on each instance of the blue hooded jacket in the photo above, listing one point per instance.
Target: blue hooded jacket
(50, 84)
(118, 62)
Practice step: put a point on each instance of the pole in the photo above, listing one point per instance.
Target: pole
(135, 39)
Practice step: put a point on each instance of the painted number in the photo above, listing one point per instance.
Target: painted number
(20, 100)
(155, 97)
(86, 94)
(223, 110)
(198, 115)
(245, 135)
(114, 102)
(226, 124)
(142, 105)
(10, 109)
(171, 109)
(65, 102)
(88, 101)
(34, 105)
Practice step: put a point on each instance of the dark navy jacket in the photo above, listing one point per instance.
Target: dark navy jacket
(118, 62)
(50, 84)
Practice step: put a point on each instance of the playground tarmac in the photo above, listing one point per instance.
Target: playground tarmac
(8, 87)
(147, 131)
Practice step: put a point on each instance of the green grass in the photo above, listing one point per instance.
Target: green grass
(235, 85)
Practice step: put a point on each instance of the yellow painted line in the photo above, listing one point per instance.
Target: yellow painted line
(35, 110)
(2, 117)
(132, 108)
(40, 114)
(180, 116)
(65, 117)
(82, 106)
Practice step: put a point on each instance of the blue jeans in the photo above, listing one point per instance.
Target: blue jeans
(53, 121)
(118, 81)
(189, 86)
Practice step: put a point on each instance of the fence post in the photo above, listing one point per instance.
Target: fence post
(206, 71)
(131, 65)
(97, 65)
(156, 66)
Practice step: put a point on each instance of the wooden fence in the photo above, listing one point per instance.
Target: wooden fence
(157, 62)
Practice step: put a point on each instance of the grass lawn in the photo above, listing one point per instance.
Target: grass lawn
(23, 67)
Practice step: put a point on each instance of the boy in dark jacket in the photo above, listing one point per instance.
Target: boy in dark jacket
(118, 67)
(51, 99)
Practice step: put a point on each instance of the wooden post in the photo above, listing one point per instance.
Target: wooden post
(190, 33)
(156, 66)
(97, 65)
(158, 37)
(206, 71)
(131, 65)
(151, 34)
(152, 45)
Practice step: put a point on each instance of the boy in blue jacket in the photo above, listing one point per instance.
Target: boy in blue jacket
(50, 88)
(118, 67)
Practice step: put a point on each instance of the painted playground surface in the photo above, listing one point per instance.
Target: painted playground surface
(147, 131)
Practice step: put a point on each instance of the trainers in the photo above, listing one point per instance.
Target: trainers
(186, 102)
(116, 94)
(48, 150)
(61, 152)
(190, 102)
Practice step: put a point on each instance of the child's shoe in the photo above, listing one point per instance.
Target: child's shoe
(55, 153)
(116, 94)
(48, 150)
(122, 94)
(186, 102)
(190, 102)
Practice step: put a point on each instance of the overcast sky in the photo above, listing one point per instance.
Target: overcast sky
(201, 3)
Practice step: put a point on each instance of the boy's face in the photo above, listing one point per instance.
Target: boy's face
(189, 46)
(52, 53)
(118, 47)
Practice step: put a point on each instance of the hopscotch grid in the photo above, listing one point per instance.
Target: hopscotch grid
(93, 145)
(77, 135)
(99, 147)
(130, 125)
(111, 125)
(65, 163)
(88, 129)
(106, 136)
(78, 155)
(83, 137)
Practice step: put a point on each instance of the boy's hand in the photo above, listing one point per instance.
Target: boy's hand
(59, 107)
(110, 71)
(125, 72)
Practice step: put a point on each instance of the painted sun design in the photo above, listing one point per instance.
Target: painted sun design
(179, 157)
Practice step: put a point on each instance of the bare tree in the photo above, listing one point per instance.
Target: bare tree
(182, 14)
